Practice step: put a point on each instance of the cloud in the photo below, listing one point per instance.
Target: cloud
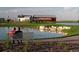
(71, 13)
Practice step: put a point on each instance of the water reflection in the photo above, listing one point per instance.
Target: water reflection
(54, 29)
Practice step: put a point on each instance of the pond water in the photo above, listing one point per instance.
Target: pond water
(35, 33)
(69, 23)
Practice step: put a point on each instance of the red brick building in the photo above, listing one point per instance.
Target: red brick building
(44, 18)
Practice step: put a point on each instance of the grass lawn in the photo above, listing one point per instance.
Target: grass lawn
(25, 24)
(73, 31)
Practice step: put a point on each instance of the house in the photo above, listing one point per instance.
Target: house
(24, 17)
(43, 18)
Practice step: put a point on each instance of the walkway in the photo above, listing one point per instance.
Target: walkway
(73, 39)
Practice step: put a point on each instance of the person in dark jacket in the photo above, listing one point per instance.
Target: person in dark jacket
(18, 36)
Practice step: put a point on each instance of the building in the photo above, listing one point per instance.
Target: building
(24, 17)
(43, 18)
(37, 18)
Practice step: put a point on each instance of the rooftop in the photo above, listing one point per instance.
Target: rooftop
(44, 16)
(36, 16)
(24, 16)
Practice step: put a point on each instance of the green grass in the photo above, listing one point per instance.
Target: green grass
(73, 31)
(25, 24)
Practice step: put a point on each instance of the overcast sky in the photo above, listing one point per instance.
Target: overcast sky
(62, 13)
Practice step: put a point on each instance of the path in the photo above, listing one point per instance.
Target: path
(73, 39)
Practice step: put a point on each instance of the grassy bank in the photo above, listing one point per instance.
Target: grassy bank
(73, 31)
(25, 24)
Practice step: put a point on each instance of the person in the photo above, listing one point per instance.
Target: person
(12, 33)
(18, 36)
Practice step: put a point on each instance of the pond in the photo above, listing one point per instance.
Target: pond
(35, 33)
(69, 23)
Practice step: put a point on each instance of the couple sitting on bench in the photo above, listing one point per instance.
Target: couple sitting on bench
(16, 36)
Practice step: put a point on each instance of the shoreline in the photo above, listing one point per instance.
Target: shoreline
(72, 39)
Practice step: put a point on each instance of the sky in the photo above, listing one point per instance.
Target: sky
(62, 13)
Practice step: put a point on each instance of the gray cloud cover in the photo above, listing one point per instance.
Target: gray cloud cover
(62, 13)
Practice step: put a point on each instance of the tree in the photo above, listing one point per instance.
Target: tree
(8, 20)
